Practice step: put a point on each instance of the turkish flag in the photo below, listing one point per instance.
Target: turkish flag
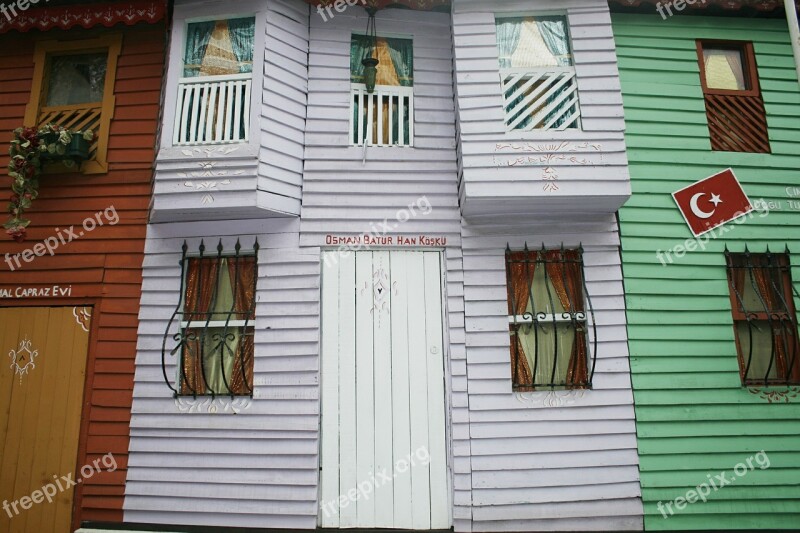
(712, 202)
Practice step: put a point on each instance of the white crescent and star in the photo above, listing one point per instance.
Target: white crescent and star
(699, 213)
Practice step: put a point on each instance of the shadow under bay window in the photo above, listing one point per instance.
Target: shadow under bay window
(215, 345)
(385, 117)
(537, 74)
(214, 91)
(764, 316)
(548, 320)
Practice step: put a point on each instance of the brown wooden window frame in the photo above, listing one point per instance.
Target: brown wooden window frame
(782, 320)
(746, 106)
(566, 306)
(36, 112)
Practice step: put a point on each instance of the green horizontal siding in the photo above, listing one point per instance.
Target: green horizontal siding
(694, 419)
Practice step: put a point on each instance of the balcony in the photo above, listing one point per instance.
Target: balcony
(386, 116)
(213, 110)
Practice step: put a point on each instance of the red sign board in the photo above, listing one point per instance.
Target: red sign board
(712, 202)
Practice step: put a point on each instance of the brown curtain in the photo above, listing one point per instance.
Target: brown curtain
(520, 277)
(567, 282)
(763, 277)
(244, 298)
(201, 278)
(736, 278)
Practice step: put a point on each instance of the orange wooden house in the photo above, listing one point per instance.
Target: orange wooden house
(69, 293)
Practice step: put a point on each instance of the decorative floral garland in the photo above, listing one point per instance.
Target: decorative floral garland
(25, 166)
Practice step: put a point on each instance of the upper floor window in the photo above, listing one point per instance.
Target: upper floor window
(537, 73)
(73, 87)
(764, 316)
(737, 120)
(385, 117)
(217, 324)
(215, 90)
(548, 319)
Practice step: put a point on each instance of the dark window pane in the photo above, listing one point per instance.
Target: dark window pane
(76, 79)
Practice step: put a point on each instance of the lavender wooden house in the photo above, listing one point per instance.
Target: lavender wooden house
(386, 298)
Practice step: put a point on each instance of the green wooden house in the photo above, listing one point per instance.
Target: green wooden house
(712, 320)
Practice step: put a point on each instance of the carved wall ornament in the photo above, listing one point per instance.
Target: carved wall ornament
(546, 155)
(22, 359)
(776, 394)
(198, 179)
(218, 405)
(83, 316)
(550, 398)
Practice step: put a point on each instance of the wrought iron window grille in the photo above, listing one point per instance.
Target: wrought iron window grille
(567, 309)
(766, 276)
(211, 336)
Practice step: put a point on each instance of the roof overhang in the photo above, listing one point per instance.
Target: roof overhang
(86, 15)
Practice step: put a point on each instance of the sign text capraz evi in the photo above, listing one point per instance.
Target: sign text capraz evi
(712, 202)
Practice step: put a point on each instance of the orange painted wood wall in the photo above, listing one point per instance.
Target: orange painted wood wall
(104, 267)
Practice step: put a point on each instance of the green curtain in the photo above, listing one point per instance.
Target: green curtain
(242, 32)
(402, 53)
(359, 47)
(198, 34)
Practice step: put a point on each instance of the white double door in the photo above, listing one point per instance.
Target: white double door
(383, 453)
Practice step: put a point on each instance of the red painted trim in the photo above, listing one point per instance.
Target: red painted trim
(88, 16)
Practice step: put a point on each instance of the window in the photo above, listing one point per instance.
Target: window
(385, 117)
(548, 319)
(73, 86)
(215, 90)
(537, 74)
(764, 317)
(737, 120)
(217, 324)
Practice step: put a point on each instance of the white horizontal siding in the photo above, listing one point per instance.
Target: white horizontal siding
(538, 468)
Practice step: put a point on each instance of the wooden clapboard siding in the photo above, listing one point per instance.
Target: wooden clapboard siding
(489, 185)
(572, 464)
(261, 178)
(694, 418)
(259, 467)
(104, 266)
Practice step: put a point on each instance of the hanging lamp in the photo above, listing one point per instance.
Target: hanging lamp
(370, 62)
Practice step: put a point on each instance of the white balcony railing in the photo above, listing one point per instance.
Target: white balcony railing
(540, 99)
(213, 110)
(383, 118)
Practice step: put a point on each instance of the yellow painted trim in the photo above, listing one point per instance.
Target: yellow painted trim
(34, 109)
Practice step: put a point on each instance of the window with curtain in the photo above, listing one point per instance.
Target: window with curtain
(547, 320)
(737, 119)
(219, 47)
(76, 79)
(764, 316)
(384, 117)
(217, 326)
(537, 73)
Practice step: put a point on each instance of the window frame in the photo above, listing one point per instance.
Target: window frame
(584, 319)
(517, 133)
(44, 50)
(739, 315)
(182, 16)
(749, 66)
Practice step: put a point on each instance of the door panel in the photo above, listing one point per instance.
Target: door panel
(383, 396)
(43, 352)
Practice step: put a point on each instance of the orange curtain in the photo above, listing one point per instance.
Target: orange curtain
(241, 381)
(763, 279)
(520, 275)
(566, 279)
(201, 278)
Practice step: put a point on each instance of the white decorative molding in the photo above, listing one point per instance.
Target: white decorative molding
(218, 405)
(206, 171)
(381, 287)
(209, 151)
(551, 398)
(83, 316)
(22, 359)
(547, 155)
